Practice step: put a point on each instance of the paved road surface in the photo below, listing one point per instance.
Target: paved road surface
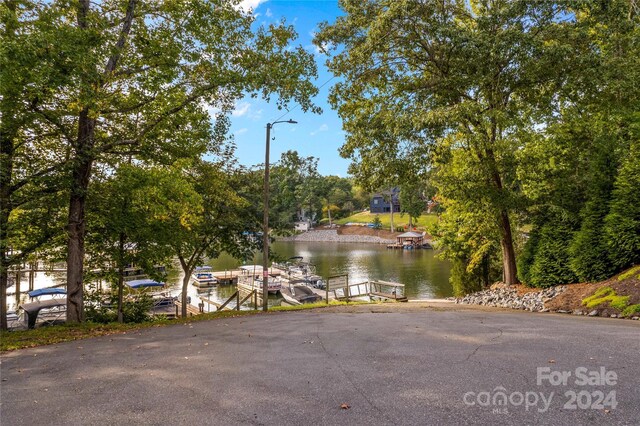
(391, 364)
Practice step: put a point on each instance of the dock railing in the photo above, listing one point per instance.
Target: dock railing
(387, 290)
(338, 286)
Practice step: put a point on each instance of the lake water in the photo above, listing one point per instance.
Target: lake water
(422, 273)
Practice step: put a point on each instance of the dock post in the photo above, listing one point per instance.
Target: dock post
(327, 288)
(32, 269)
(238, 300)
(347, 289)
(17, 287)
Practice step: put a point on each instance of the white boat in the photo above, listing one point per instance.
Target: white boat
(253, 275)
(274, 284)
(301, 272)
(203, 277)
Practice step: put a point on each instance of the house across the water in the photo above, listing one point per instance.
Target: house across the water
(380, 203)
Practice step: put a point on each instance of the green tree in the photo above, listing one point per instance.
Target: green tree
(551, 261)
(622, 223)
(195, 212)
(412, 200)
(121, 234)
(296, 188)
(138, 76)
(420, 77)
(32, 161)
(570, 167)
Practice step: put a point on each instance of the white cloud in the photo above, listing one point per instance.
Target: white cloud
(241, 109)
(322, 128)
(268, 13)
(246, 109)
(247, 5)
(241, 131)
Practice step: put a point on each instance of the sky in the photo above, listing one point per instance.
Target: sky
(317, 135)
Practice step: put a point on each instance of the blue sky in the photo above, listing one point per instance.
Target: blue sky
(317, 135)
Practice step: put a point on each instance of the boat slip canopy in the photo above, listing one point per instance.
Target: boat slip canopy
(46, 292)
(143, 283)
(250, 268)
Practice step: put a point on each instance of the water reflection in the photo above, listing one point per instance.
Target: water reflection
(423, 275)
(420, 271)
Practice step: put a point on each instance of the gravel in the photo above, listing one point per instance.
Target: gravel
(503, 296)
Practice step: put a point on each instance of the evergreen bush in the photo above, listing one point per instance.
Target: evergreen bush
(551, 263)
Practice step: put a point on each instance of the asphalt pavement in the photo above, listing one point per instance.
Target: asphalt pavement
(391, 364)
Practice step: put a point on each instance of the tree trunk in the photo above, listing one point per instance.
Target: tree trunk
(391, 213)
(185, 287)
(83, 161)
(76, 223)
(510, 272)
(121, 265)
(8, 128)
(329, 211)
(508, 251)
(4, 279)
(120, 295)
(6, 172)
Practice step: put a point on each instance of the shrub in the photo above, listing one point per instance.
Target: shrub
(630, 274)
(622, 224)
(101, 307)
(588, 250)
(551, 263)
(630, 310)
(461, 280)
(526, 259)
(604, 295)
(377, 223)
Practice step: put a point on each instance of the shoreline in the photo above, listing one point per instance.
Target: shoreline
(332, 236)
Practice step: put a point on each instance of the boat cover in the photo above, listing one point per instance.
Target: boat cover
(143, 283)
(46, 292)
(32, 309)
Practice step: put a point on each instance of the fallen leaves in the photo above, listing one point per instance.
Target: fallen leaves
(344, 406)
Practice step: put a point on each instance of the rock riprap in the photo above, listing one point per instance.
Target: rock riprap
(331, 235)
(504, 296)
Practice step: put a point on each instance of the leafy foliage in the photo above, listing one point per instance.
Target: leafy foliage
(377, 223)
(622, 223)
(551, 260)
(521, 113)
(604, 295)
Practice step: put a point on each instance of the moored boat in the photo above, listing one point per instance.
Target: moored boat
(203, 277)
(163, 302)
(253, 275)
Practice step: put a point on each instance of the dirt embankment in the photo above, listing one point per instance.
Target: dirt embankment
(365, 230)
(617, 297)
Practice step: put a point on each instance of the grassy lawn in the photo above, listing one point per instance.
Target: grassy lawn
(12, 340)
(425, 220)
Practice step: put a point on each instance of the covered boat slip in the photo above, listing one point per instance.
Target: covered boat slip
(163, 302)
(49, 311)
(411, 240)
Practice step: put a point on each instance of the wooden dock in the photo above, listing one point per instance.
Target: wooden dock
(230, 277)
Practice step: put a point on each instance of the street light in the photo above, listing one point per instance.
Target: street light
(265, 224)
